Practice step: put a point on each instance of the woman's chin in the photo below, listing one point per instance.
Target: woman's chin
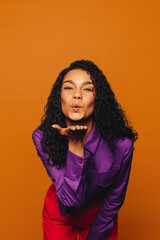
(78, 120)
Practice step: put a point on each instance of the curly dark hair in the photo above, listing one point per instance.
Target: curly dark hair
(110, 118)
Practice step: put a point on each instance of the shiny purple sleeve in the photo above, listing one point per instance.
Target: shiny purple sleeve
(69, 180)
(114, 198)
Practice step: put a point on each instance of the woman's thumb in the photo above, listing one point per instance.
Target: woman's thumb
(56, 126)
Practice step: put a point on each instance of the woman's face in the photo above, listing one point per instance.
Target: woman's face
(77, 89)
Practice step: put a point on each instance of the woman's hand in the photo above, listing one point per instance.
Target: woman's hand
(73, 133)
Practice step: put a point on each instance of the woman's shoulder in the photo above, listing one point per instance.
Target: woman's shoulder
(121, 144)
(37, 132)
(124, 143)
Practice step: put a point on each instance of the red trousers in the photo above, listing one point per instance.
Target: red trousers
(56, 227)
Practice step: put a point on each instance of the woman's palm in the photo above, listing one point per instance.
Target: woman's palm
(75, 133)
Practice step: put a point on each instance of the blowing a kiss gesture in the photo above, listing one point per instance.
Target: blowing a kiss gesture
(73, 133)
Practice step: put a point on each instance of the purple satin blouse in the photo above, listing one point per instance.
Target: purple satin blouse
(84, 179)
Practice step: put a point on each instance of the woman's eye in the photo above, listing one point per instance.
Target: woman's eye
(88, 89)
(67, 88)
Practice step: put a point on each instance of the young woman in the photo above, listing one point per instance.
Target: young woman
(86, 145)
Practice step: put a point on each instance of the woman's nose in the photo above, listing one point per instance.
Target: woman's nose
(77, 94)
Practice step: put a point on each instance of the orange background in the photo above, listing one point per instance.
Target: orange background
(39, 39)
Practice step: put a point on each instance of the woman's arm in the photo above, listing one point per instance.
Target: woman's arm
(69, 179)
(104, 220)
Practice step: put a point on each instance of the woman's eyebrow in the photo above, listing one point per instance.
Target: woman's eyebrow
(84, 83)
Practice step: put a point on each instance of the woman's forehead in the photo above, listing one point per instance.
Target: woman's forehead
(77, 76)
